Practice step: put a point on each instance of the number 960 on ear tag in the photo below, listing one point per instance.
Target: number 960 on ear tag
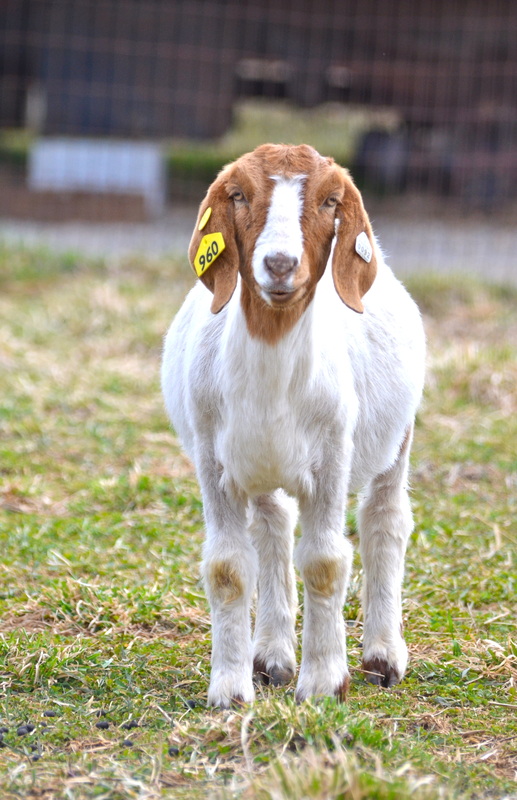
(210, 248)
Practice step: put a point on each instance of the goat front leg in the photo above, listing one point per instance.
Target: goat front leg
(273, 518)
(385, 523)
(229, 572)
(324, 558)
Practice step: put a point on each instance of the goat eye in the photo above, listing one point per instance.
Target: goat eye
(238, 196)
(331, 201)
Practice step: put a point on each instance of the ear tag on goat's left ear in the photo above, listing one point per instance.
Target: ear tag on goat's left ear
(210, 248)
(363, 247)
(204, 219)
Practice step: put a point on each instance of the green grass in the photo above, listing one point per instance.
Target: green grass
(102, 617)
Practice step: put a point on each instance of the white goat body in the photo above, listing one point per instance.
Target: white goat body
(291, 379)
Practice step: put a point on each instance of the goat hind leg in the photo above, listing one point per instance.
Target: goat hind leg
(385, 523)
(273, 518)
(324, 558)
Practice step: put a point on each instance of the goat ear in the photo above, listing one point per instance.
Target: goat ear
(213, 251)
(354, 265)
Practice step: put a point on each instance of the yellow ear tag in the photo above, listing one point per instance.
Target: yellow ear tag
(204, 219)
(211, 246)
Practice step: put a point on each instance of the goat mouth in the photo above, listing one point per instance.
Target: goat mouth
(280, 297)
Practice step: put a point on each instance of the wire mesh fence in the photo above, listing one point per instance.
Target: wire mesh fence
(418, 99)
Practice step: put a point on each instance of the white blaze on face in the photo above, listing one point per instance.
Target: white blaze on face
(282, 233)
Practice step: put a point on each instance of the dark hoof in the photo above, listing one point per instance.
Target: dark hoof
(274, 676)
(380, 673)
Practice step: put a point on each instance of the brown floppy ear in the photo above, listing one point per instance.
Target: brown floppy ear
(354, 265)
(213, 252)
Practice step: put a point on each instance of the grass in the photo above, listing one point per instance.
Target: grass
(104, 630)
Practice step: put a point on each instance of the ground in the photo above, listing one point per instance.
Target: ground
(104, 628)
(416, 235)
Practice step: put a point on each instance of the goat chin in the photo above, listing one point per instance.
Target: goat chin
(286, 401)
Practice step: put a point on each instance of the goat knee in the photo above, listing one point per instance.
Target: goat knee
(229, 578)
(224, 583)
(325, 575)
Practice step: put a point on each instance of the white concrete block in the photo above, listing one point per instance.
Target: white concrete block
(96, 165)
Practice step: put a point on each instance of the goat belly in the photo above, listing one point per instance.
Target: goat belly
(262, 461)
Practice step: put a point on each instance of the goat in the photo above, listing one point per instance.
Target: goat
(291, 383)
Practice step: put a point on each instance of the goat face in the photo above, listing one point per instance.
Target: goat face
(277, 211)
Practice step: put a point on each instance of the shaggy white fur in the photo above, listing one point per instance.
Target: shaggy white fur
(324, 407)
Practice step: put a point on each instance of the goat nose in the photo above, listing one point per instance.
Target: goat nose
(280, 265)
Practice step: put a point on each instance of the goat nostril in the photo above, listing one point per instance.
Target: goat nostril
(280, 265)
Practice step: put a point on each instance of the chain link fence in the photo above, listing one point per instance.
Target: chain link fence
(418, 99)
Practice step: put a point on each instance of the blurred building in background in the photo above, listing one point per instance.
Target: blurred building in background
(170, 70)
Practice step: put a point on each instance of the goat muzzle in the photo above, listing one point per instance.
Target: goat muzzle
(280, 266)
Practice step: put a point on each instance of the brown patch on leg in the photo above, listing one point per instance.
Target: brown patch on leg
(342, 690)
(321, 576)
(225, 581)
(380, 673)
